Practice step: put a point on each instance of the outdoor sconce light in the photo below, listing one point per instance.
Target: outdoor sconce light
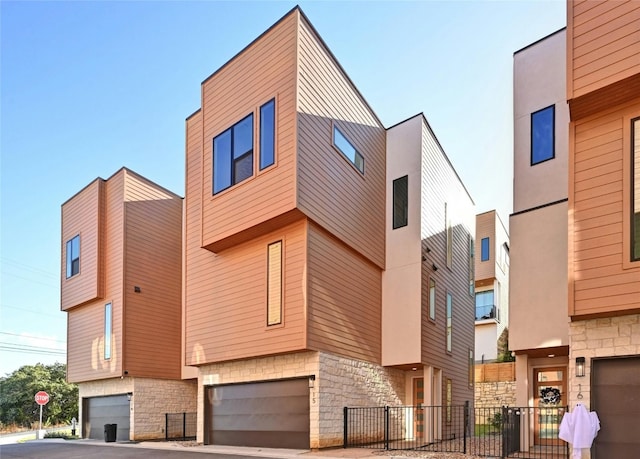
(137, 289)
(312, 381)
(434, 267)
(129, 395)
(579, 367)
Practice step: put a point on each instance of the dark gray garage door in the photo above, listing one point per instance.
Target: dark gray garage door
(272, 414)
(616, 399)
(98, 411)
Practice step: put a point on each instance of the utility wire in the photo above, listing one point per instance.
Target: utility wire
(33, 337)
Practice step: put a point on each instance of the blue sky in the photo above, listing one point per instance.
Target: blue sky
(89, 87)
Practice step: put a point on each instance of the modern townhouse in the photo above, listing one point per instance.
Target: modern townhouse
(311, 262)
(491, 284)
(603, 93)
(121, 290)
(326, 262)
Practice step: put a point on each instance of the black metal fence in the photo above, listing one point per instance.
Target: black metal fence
(180, 426)
(504, 432)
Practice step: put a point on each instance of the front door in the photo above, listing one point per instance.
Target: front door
(418, 402)
(550, 392)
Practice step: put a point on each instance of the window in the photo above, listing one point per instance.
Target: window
(449, 235)
(485, 305)
(107, 331)
(449, 395)
(274, 283)
(400, 202)
(484, 249)
(348, 150)
(233, 155)
(449, 321)
(432, 299)
(73, 256)
(472, 264)
(635, 189)
(543, 135)
(267, 134)
(471, 368)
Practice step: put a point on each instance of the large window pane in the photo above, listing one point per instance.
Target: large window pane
(348, 150)
(243, 137)
(542, 135)
(400, 202)
(222, 161)
(485, 305)
(635, 222)
(267, 134)
(73, 256)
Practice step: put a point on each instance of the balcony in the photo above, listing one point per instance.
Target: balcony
(488, 311)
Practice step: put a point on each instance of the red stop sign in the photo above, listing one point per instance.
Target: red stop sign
(42, 398)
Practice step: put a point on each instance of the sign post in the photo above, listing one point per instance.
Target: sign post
(41, 398)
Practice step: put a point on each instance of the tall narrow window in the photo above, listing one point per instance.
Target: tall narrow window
(233, 155)
(400, 202)
(347, 149)
(471, 368)
(432, 299)
(107, 331)
(484, 249)
(274, 284)
(267, 134)
(635, 189)
(73, 256)
(472, 264)
(449, 394)
(449, 321)
(543, 135)
(449, 235)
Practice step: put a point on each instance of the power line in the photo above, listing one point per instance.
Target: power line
(30, 268)
(30, 280)
(23, 349)
(33, 337)
(57, 316)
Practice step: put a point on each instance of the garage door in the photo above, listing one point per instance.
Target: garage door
(616, 399)
(98, 411)
(272, 414)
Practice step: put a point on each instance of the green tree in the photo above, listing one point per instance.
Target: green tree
(17, 391)
(504, 355)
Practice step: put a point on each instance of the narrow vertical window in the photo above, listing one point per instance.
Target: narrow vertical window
(274, 284)
(471, 368)
(472, 265)
(635, 189)
(484, 249)
(543, 135)
(449, 235)
(432, 299)
(449, 395)
(107, 331)
(73, 256)
(400, 202)
(267, 134)
(449, 321)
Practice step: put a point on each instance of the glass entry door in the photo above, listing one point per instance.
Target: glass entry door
(550, 389)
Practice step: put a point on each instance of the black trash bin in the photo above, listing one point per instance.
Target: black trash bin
(110, 432)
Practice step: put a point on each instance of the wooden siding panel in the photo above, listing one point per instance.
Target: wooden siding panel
(265, 70)
(605, 43)
(345, 296)
(153, 244)
(485, 227)
(226, 297)
(82, 215)
(600, 283)
(331, 191)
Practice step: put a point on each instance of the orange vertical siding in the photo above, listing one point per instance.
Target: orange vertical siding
(82, 215)
(345, 298)
(331, 191)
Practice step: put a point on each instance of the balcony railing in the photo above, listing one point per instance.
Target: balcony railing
(487, 312)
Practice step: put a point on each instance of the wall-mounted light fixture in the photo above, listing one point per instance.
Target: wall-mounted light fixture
(312, 381)
(424, 258)
(580, 367)
(434, 267)
(137, 289)
(129, 395)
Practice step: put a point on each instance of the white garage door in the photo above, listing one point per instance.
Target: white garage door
(98, 411)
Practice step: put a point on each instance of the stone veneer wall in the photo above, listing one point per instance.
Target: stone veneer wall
(494, 394)
(610, 337)
(339, 382)
(151, 399)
